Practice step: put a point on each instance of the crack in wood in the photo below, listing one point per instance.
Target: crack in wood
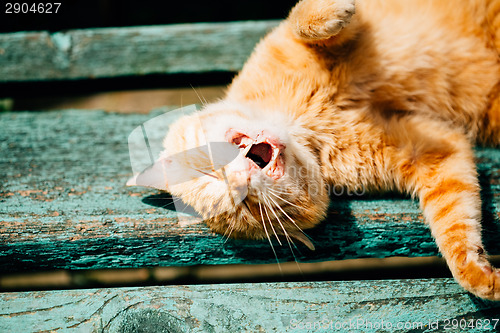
(94, 313)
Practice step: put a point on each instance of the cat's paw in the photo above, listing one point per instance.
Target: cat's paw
(489, 285)
(478, 276)
(342, 13)
(321, 19)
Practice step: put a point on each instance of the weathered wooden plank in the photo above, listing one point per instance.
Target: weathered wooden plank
(64, 205)
(111, 52)
(354, 306)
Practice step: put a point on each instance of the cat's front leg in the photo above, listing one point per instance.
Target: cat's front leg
(440, 168)
(320, 21)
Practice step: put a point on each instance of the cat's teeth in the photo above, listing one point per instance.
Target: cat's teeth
(268, 167)
(273, 161)
(247, 149)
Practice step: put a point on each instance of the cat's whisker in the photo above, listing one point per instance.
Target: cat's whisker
(210, 155)
(287, 236)
(175, 200)
(207, 174)
(233, 222)
(232, 225)
(270, 223)
(230, 229)
(292, 220)
(290, 241)
(183, 210)
(176, 207)
(285, 232)
(162, 199)
(265, 197)
(276, 191)
(202, 101)
(269, 237)
(288, 202)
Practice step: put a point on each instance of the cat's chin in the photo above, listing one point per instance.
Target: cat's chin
(243, 224)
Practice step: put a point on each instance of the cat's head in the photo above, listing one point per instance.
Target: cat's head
(248, 172)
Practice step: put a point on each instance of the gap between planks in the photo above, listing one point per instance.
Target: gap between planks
(126, 101)
(356, 269)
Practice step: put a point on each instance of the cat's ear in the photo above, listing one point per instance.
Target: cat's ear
(154, 176)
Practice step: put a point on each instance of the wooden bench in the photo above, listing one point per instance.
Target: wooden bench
(64, 206)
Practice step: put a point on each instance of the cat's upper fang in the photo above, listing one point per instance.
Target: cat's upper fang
(247, 149)
(273, 161)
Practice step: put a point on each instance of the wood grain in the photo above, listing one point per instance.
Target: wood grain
(400, 305)
(112, 52)
(64, 205)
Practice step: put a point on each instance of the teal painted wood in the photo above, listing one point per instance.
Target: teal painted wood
(64, 205)
(360, 306)
(111, 52)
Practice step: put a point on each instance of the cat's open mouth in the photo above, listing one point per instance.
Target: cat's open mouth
(260, 153)
(264, 152)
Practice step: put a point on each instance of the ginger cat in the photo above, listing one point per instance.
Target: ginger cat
(379, 95)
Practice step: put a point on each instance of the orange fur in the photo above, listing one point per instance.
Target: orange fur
(392, 97)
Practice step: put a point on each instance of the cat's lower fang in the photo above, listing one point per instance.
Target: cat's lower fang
(272, 163)
(275, 169)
